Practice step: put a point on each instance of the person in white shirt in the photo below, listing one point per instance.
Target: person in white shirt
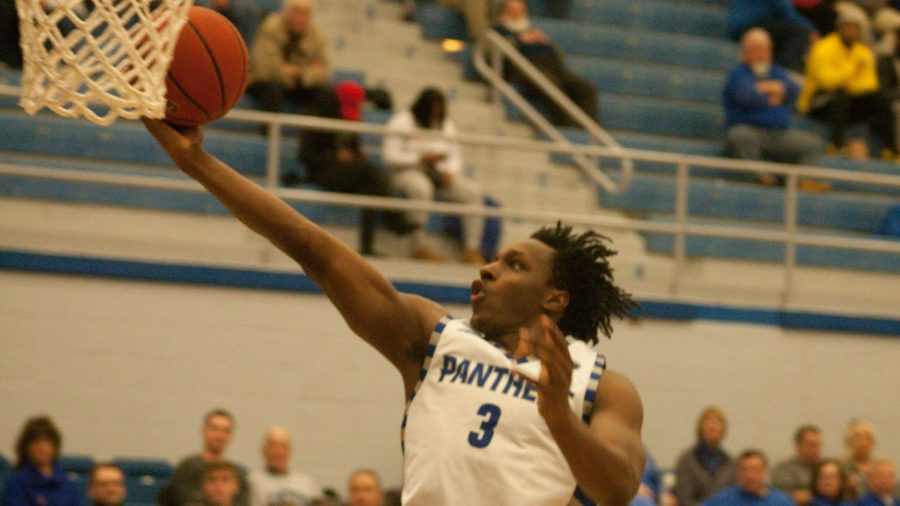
(425, 168)
(276, 485)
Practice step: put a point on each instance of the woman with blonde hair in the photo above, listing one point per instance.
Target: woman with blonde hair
(705, 468)
(859, 439)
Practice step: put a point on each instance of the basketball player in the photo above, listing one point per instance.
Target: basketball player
(475, 432)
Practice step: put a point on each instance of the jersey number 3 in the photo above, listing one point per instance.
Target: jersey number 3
(491, 414)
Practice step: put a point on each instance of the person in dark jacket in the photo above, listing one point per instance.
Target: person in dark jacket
(38, 480)
(706, 468)
(336, 162)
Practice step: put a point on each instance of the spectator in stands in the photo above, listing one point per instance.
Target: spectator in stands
(758, 98)
(186, 486)
(540, 50)
(795, 474)
(10, 50)
(243, 14)
(887, 23)
(889, 76)
(882, 485)
(859, 439)
(38, 480)
(841, 89)
(336, 162)
(276, 485)
(364, 489)
(106, 485)
(478, 13)
(829, 484)
(706, 468)
(288, 60)
(423, 168)
(791, 33)
(221, 484)
(820, 12)
(752, 473)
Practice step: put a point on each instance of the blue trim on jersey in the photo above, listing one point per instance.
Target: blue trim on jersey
(295, 282)
(423, 373)
(582, 498)
(590, 393)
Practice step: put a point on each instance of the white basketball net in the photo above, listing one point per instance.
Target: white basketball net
(100, 64)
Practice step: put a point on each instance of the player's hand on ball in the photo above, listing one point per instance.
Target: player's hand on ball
(556, 369)
(180, 142)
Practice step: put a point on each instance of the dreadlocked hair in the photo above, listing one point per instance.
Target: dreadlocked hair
(581, 268)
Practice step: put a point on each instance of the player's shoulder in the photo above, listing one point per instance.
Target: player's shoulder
(618, 395)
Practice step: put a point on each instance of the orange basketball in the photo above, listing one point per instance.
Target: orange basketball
(209, 71)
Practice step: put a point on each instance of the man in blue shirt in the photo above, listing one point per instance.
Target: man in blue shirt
(792, 33)
(757, 98)
(752, 473)
(882, 483)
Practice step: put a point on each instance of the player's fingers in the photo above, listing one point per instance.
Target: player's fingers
(553, 331)
(526, 341)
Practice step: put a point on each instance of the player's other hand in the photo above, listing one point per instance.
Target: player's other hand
(181, 143)
(550, 346)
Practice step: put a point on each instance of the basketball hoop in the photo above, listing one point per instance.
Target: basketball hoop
(100, 64)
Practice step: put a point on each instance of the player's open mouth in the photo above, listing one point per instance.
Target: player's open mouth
(478, 292)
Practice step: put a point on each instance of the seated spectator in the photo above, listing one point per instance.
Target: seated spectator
(820, 12)
(886, 22)
(537, 47)
(221, 484)
(478, 13)
(288, 61)
(791, 33)
(364, 489)
(38, 479)
(859, 440)
(242, 13)
(889, 76)
(752, 473)
(706, 468)
(186, 486)
(841, 89)
(336, 162)
(758, 98)
(424, 168)
(795, 474)
(882, 485)
(276, 485)
(106, 485)
(10, 50)
(829, 484)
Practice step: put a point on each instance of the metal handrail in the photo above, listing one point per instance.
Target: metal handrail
(500, 48)
(681, 228)
(395, 204)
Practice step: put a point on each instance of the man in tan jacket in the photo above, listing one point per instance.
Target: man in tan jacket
(288, 62)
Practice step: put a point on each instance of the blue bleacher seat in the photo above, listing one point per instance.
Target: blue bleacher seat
(439, 23)
(144, 478)
(667, 16)
(5, 470)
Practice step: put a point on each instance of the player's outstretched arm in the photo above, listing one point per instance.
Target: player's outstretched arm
(396, 324)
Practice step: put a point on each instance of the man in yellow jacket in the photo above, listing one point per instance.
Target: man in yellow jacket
(288, 61)
(841, 88)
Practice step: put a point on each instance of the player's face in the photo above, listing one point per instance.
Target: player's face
(220, 487)
(217, 433)
(752, 475)
(828, 481)
(107, 487)
(365, 491)
(511, 291)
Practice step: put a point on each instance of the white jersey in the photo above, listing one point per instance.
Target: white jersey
(472, 433)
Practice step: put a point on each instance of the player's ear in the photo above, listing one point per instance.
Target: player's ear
(556, 301)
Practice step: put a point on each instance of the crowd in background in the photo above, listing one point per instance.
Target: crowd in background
(837, 62)
(704, 474)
